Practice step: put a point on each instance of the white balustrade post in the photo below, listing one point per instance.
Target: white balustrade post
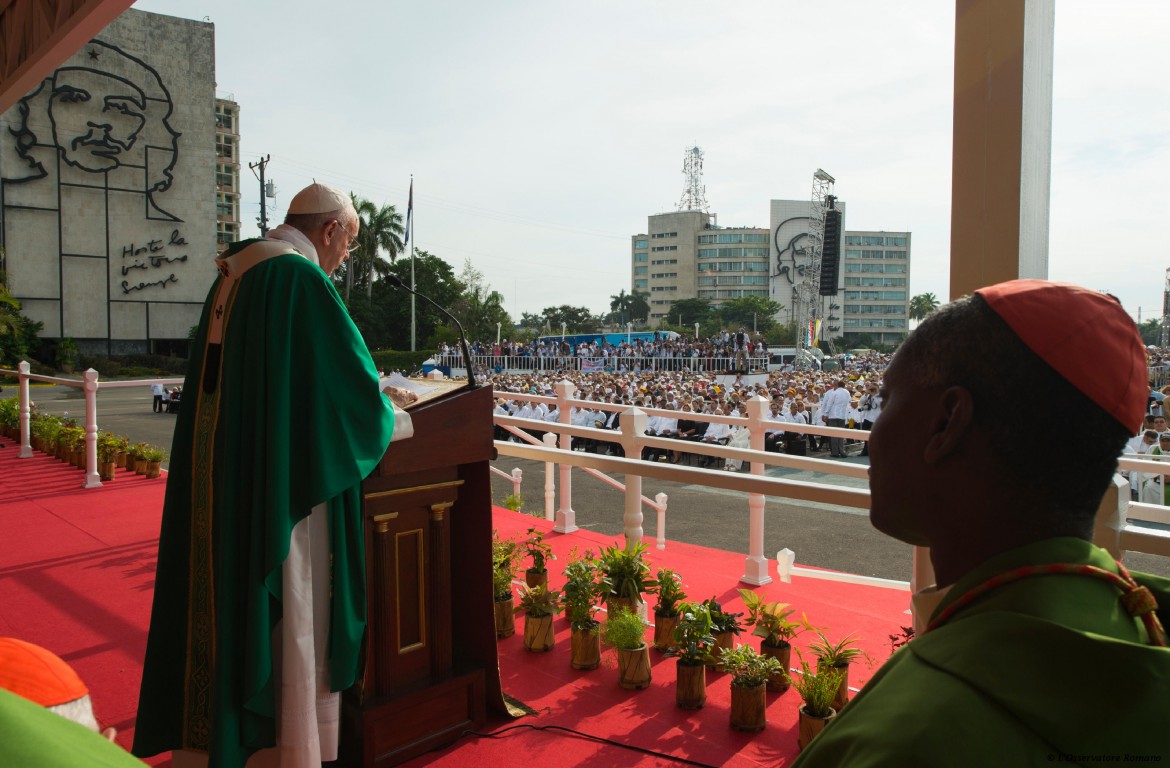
(25, 410)
(92, 479)
(517, 476)
(566, 517)
(660, 500)
(921, 577)
(756, 565)
(633, 424)
(550, 485)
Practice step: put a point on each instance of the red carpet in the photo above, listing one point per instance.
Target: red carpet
(77, 572)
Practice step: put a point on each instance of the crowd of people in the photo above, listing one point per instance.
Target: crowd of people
(165, 400)
(846, 398)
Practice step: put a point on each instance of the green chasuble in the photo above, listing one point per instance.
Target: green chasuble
(1048, 669)
(33, 737)
(284, 415)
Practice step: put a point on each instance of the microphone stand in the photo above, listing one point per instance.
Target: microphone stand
(397, 283)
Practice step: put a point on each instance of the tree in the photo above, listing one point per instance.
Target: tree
(639, 306)
(690, 311)
(922, 305)
(479, 308)
(757, 312)
(1151, 331)
(531, 320)
(380, 231)
(619, 307)
(384, 318)
(575, 319)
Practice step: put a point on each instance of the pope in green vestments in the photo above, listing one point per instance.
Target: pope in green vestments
(31, 735)
(282, 415)
(1046, 669)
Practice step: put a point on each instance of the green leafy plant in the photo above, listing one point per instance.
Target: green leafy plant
(817, 689)
(747, 667)
(503, 565)
(513, 501)
(65, 353)
(670, 592)
(838, 654)
(898, 640)
(538, 550)
(108, 445)
(770, 620)
(537, 601)
(152, 454)
(625, 573)
(692, 636)
(624, 629)
(582, 590)
(722, 621)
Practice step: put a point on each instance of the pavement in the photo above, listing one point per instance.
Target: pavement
(821, 535)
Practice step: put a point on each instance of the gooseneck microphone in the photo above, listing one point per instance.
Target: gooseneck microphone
(397, 283)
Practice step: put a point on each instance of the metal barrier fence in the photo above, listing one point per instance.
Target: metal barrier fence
(551, 364)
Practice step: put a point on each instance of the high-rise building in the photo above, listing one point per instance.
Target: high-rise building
(227, 171)
(686, 255)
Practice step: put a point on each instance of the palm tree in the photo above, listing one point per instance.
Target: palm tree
(381, 231)
(639, 306)
(922, 305)
(620, 305)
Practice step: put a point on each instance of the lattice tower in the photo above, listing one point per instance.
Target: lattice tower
(809, 299)
(694, 196)
(1165, 340)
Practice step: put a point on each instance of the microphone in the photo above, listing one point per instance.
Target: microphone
(397, 283)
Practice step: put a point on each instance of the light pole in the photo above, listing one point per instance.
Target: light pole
(696, 331)
(497, 334)
(629, 330)
(562, 331)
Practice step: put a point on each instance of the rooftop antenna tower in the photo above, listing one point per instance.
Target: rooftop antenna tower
(808, 298)
(1165, 340)
(694, 196)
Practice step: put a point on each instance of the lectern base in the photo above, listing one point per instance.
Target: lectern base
(390, 731)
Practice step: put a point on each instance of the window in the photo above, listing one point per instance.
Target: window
(224, 179)
(661, 275)
(758, 238)
(641, 270)
(853, 253)
(640, 243)
(896, 241)
(895, 254)
(871, 254)
(755, 266)
(755, 280)
(640, 257)
(665, 248)
(873, 240)
(708, 253)
(734, 237)
(895, 282)
(664, 261)
(658, 288)
(662, 301)
(641, 284)
(706, 281)
(665, 234)
(875, 309)
(875, 296)
(852, 239)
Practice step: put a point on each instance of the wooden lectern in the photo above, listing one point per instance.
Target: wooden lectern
(429, 666)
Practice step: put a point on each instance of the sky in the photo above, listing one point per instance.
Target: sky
(540, 134)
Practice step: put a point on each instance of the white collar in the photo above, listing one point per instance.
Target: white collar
(296, 239)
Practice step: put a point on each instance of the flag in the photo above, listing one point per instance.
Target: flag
(409, 212)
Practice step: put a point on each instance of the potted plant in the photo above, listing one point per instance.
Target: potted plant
(839, 656)
(670, 594)
(107, 450)
(579, 599)
(692, 643)
(626, 634)
(154, 458)
(503, 572)
(514, 502)
(139, 452)
(771, 623)
(749, 672)
(540, 553)
(538, 604)
(724, 626)
(66, 354)
(625, 577)
(817, 690)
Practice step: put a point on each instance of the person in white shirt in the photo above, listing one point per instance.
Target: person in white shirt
(834, 410)
(159, 391)
(774, 437)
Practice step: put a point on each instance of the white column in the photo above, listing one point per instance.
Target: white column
(25, 440)
(92, 479)
(550, 483)
(756, 565)
(633, 426)
(566, 517)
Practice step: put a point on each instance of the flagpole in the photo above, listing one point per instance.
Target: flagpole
(409, 228)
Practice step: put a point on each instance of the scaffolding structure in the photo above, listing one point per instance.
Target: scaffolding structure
(1165, 340)
(694, 196)
(807, 294)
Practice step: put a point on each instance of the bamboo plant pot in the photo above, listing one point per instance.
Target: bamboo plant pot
(139, 466)
(778, 683)
(810, 726)
(505, 620)
(585, 647)
(538, 633)
(106, 471)
(153, 468)
(842, 696)
(747, 707)
(664, 631)
(536, 578)
(690, 690)
(634, 667)
(722, 640)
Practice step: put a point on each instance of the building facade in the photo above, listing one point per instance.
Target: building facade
(686, 255)
(227, 172)
(108, 193)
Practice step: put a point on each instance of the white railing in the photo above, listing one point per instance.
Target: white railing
(552, 363)
(89, 384)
